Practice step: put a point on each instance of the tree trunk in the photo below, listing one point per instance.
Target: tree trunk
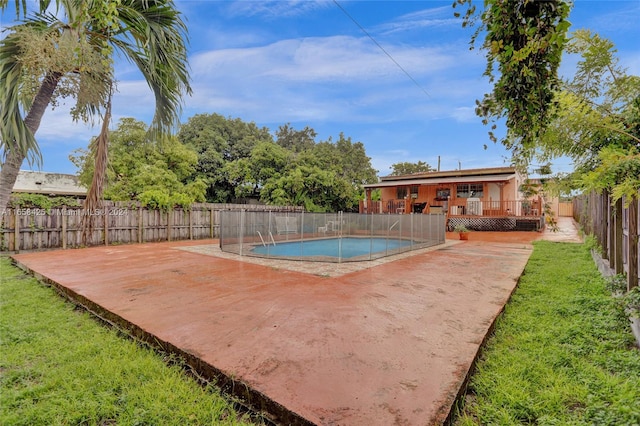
(14, 157)
(93, 202)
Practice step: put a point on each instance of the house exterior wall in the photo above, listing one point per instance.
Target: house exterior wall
(428, 193)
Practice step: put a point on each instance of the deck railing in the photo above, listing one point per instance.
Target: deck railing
(457, 207)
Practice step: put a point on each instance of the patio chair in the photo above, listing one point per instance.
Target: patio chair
(286, 225)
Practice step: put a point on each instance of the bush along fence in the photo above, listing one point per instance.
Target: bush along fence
(117, 223)
(615, 227)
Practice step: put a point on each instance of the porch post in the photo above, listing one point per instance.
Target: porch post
(502, 210)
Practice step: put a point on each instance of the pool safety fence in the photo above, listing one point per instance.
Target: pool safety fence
(327, 237)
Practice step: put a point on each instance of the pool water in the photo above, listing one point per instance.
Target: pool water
(346, 247)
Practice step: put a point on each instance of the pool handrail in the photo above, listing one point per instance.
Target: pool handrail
(261, 239)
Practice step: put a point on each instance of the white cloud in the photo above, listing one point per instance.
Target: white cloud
(438, 17)
(275, 8)
(58, 128)
(465, 114)
(336, 78)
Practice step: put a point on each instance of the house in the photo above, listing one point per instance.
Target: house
(498, 198)
(54, 184)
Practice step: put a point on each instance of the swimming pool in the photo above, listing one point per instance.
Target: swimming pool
(327, 237)
(346, 247)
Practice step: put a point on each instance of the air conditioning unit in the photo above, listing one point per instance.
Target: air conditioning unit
(474, 206)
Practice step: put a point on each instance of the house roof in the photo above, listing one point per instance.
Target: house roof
(443, 180)
(453, 173)
(491, 174)
(48, 183)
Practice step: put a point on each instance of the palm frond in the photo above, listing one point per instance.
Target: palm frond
(153, 37)
(14, 134)
(93, 202)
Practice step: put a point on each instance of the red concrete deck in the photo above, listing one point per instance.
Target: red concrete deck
(391, 344)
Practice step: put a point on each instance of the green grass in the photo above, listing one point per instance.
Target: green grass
(562, 353)
(60, 367)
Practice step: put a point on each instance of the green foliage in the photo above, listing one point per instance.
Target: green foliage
(632, 302)
(238, 160)
(159, 174)
(60, 367)
(523, 42)
(618, 172)
(461, 229)
(406, 168)
(217, 141)
(78, 54)
(295, 140)
(597, 120)
(41, 201)
(616, 283)
(562, 352)
(591, 242)
(315, 189)
(529, 189)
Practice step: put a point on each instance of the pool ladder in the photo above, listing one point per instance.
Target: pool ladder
(262, 239)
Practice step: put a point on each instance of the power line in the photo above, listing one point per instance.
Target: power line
(381, 48)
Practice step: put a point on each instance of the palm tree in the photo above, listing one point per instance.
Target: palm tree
(45, 58)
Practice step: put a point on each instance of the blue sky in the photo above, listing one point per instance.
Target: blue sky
(308, 64)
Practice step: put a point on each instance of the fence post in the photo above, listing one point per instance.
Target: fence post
(16, 231)
(191, 223)
(632, 276)
(211, 231)
(140, 225)
(169, 223)
(64, 227)
(617, 260)
(105, 211)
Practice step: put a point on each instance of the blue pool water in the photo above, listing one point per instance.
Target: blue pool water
(345, 247)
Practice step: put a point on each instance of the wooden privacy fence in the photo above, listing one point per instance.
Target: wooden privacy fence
(116, 223)
(615, 227)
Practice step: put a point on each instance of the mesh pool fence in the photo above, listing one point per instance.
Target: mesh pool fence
(327, 237)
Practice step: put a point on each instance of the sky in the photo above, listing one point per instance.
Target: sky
(397, 76)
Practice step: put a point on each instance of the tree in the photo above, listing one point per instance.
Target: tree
(267, 161)
(312, 187)
(347, 159)
(46, 59)
(295, 140)
(158, 173)
(523, 43)
(405, 168)
(328, 177)
(597, 120)
(218, 141)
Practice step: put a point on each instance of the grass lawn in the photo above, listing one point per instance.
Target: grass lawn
(60, 367)
(562, 353)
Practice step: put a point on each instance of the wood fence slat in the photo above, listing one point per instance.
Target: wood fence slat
(632, 275)
(617, 260)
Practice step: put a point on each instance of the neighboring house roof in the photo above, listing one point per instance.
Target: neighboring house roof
(49, 184)
(495, 174)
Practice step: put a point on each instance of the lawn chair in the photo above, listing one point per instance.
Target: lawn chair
(286, 225)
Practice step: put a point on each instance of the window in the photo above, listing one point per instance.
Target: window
(442, 194)
(401, 192)
(414, 191)
(468, 190)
